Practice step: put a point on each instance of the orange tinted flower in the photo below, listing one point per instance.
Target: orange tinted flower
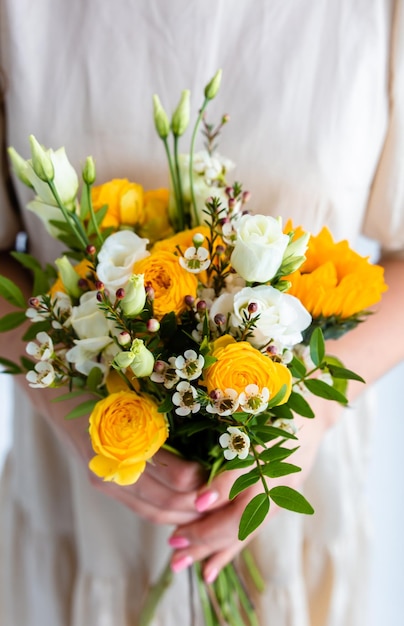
(335, 280)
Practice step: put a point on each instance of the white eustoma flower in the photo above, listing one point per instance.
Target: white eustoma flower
(190, 365)
(185, 399)
(43, 350)
(223, 402)
(86, 353)
(280, 317)
(42, 376)
(254, 400)
(195, 260)
(135, 296)
(259, 247)
(117, 256)
(87, 318)
(235, 442)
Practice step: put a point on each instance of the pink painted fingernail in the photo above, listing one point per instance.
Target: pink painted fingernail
(204, 501)
(211, 576)
(181, 564)
(179, 542)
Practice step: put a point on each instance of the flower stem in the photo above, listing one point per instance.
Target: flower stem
(155, 594)
(191, 160)
(173, 175)
(92, 214)
(71, 218)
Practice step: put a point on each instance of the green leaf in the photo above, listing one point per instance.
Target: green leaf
(323, 390)
(342, 372)
(209, 360)
(41, 282)
(243, 482)
(297, 368)
(271, 432)
(277, 398)
(68, 396)
(26, 260)
(12, 320)
(288, 498)
(276, 469)
(282, 411)
(12, 293)
(253, 515)
(166, 405)
(299, 405)
(276, 453)
(28, 364)
(36, 328)
(82, 409)
(317, 347)
(94, 379)
(9, 367)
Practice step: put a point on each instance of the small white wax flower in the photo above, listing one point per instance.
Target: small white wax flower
(195, 260)
(43, 350)
(184, 398)
(253, 400)
(229, 233)
(223, 403)
(285, 424)
(165, 373)
(235, 442)
(42, 376)
(190, 365)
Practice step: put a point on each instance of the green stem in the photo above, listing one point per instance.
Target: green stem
(253, 570)
(92, 214)
(173, 175)
(209, 616)
(154, 596)
(71, 218)
(179, 184)
(242, 595)
(191, 161)
(262, 477)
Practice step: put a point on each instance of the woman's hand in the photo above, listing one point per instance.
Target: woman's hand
(214, 537)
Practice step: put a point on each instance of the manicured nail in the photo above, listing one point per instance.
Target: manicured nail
(204, 501)
(211, 575)
(181, 564)
(179, 542)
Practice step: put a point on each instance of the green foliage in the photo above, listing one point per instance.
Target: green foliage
(323, 390)
(299, 405)
(12, 320)
(317, 347)
(13, 294)
(288, 498)
(253, 515)
(244, 481)
(277, 468)
(9, 367)
(85, 408)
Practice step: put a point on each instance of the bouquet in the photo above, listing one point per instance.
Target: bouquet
(193, 324)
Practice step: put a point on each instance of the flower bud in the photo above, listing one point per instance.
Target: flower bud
(219, 319)
(89, 171)
(212, 87)
(143, 360)
(135, 297)
(91, 250)
(69, 277)
(120, 293)
(189, 301)
(198, 240)
(124, 338)
(149, 292)
(252, 307)
(160, 118)
(123, 360)
(41, 161)
(180, 118)
(34, 302)
(19, 166)
(153, 325)
(159, 367)
(201, 306)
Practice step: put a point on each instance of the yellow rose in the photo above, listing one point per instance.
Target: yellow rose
(182, 239)
(126, 430)
(124, 200)
(240, 364)
(171, 283)
(156, 219)
(84, 269)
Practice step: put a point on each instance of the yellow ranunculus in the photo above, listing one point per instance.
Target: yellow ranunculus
(171, 283)
(83, 269)
(182, 239)
(239, 364)
(336, 280)
(156, 223)
(125, 202)
(126, 430)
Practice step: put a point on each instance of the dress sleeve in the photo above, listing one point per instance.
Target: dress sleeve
(384, 219)
(9, 216)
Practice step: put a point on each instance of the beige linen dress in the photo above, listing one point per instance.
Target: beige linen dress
(315, 90)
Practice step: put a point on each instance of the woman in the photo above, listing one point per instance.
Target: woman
(316, 94)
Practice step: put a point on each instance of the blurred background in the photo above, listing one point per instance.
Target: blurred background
(385, 496)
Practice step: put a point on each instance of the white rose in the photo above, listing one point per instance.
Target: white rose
(282, 317)
(259, 247)
(117, 256)
(87, 318)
